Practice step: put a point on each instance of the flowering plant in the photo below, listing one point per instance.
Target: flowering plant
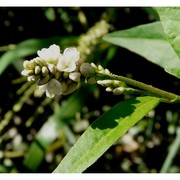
(79, 99)
(56, 73)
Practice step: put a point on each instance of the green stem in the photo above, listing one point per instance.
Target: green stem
(152, 90)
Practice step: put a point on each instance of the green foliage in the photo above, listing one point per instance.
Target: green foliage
(148, 41)
(104, 132)
(170, 18)
(151, 42)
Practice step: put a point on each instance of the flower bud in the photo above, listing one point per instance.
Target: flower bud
(32, 78)
(107, 71)
(87, 70)
(27, 72)
(75, 76)
(52, 68)
(100, 67)
(26, 64)
(105, 83)
(108, 89)
(32, 64)
(45, 71)
(118, 91)
(37, 70)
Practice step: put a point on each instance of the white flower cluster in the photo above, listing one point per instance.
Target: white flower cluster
(55, 73)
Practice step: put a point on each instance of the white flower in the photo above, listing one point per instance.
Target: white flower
(51, 54)
(67, 61)
(52, 88)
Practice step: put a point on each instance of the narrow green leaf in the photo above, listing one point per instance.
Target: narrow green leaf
(170, 19)
(30, 47)
(104, 132)
(149, 41)
(173, 71)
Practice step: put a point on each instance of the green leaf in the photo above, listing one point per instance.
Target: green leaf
(170, 19)
(30, 47)
(104, 132)
(173, 71)
(149, 41)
